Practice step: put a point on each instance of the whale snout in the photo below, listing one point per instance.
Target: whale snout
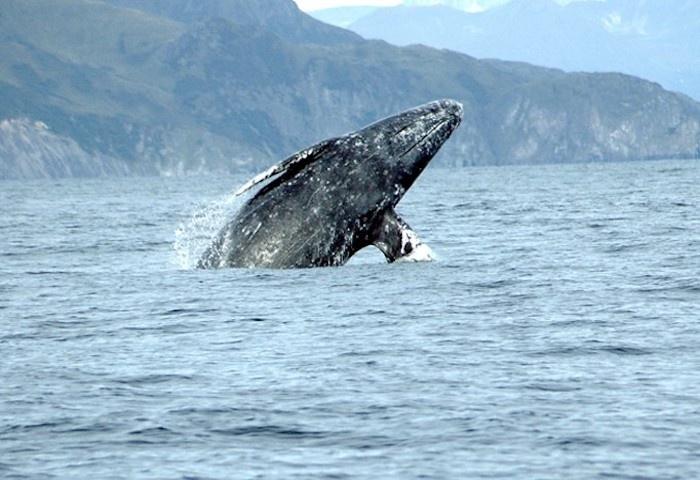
(438, 120)
(451, 108)
(445, 109)
(415, 137)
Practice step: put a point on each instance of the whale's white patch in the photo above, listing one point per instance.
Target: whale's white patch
(413, 249)
(421, 253)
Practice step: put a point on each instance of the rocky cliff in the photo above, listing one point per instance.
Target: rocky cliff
(30, 150)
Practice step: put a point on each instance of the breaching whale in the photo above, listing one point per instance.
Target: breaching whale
(332, 199)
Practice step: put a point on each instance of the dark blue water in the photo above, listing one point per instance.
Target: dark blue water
(556, 336)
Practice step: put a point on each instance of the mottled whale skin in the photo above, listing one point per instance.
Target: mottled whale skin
(331, 200)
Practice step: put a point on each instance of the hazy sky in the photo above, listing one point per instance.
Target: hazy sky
(317, 4)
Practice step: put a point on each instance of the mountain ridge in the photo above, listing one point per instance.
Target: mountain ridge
(651, 39)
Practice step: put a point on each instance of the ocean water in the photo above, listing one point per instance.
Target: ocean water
(556, 335)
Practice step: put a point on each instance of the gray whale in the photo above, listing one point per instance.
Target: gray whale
(330, 200)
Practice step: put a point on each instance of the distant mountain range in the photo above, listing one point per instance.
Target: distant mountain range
(654, 39)
(345, 16)
(182, 86)
(474, 5)
(466, 5)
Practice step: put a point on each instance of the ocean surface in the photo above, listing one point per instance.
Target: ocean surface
(557, 335)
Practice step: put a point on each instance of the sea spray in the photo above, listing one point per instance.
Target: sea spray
(197, 232)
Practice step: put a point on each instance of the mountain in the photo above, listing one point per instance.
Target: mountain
(30, 150)
(655, 39)
(280, 16)
(123, 87)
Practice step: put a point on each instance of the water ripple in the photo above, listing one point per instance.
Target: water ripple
(555, 336)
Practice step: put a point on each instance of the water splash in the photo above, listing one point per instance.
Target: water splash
(196, 233)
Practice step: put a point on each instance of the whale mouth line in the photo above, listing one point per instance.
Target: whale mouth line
(430, 132)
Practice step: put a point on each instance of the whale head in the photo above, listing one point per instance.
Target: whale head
(398, 148)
